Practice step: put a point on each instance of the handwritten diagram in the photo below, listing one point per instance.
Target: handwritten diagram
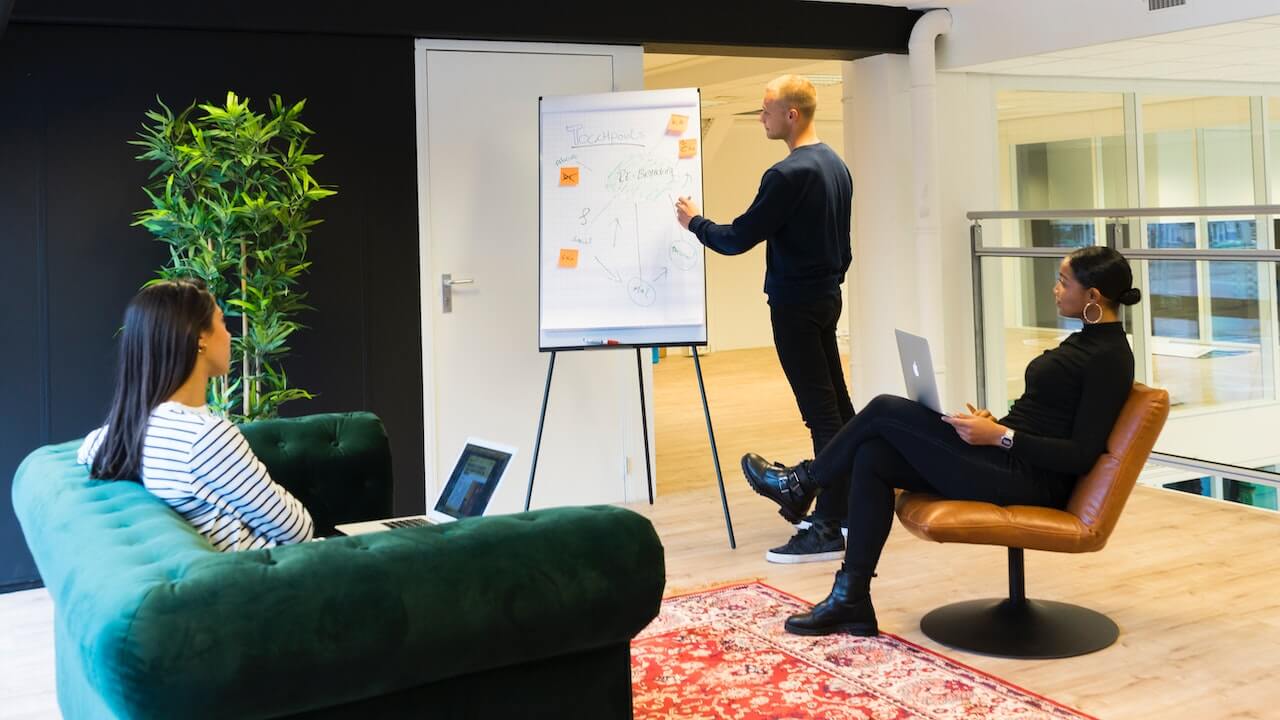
(613, 255)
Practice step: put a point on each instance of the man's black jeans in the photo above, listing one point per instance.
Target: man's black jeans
(805, 337)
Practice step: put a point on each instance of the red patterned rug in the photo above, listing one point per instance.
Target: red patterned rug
(723, 654)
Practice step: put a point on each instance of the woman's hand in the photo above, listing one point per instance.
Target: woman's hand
(980, 413)
(974, 429)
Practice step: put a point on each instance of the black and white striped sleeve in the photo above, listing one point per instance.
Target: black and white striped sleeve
(89, 448)
(226, 473)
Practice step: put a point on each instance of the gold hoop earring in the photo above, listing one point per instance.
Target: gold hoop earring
(1085, 314)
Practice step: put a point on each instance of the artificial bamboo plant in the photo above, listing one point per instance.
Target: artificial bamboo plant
(230, 195)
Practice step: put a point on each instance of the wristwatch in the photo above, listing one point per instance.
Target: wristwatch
(1006, 441)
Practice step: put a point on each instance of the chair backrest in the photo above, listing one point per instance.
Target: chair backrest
(1100, 495)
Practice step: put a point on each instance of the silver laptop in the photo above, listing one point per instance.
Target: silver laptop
(917, 370)
(476, 474)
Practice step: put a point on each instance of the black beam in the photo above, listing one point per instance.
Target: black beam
(823, 29)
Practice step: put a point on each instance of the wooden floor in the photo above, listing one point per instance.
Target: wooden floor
(1194, 584)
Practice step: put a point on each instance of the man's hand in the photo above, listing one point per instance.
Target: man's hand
(975, 430)
(686, 210)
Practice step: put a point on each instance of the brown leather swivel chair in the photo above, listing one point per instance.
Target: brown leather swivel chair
(1015, 626)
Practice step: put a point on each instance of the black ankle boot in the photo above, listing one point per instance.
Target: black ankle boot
(789, 487)
(847, 609)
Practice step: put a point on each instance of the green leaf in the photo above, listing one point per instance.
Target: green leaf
(229, 192)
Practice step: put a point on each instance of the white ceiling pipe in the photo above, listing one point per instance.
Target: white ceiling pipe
(925, 177)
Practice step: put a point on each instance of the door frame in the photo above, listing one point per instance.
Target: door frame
(623, 79)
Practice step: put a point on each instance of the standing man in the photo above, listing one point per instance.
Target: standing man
(802, 211)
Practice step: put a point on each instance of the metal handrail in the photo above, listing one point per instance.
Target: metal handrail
(1124, 213)
(1223, 255)
(1235, 472)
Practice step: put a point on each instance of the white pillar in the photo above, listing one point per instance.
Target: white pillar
(911, 242)
(926, 178)
(877, 112)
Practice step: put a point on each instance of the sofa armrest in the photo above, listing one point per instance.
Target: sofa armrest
(337, 464)
(267, 632)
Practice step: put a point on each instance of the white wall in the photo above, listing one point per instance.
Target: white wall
(737, 155)
(737, 310)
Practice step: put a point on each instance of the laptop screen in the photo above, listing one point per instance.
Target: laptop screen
(472, 482)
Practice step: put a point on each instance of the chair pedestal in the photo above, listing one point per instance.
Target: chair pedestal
(1016, 627)
(1032, 629)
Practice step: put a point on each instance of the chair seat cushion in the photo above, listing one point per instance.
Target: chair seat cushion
(930, 517)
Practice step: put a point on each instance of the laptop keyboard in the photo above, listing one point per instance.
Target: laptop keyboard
(410, 522)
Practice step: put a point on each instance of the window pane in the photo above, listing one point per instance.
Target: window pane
(1199, 151)
(1175, 289)
(1057, 150)
(1233, 285)
(1247, 493)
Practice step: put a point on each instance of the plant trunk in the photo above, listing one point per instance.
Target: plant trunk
(245, 385)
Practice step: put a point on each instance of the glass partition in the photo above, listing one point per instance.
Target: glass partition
(1207, 328)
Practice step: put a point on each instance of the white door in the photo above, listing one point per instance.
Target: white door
(478, 204)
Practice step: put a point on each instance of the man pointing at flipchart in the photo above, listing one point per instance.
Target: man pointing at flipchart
(802, 212)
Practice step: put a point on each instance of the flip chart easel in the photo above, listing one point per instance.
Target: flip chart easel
(644, 423)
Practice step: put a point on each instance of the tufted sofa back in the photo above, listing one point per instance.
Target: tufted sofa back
(337, 464)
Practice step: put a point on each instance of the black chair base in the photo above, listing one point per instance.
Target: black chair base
(1026, 629)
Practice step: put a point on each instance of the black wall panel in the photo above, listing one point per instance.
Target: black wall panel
(72, 98)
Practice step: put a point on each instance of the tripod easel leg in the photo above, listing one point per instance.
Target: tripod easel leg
(644, 427)
(537, 443)
(715, 455)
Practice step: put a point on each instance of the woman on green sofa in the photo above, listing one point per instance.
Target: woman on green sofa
(160, 431)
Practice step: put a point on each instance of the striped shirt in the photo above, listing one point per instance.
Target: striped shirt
(202, 467)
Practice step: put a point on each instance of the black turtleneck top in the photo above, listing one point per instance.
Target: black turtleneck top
(1073, 396)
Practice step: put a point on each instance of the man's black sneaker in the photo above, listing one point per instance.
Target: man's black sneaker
(808, 545)
(807, 521)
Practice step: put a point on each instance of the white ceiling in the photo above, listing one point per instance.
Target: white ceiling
(1246, 51)
(1240, 51)
(733, 85)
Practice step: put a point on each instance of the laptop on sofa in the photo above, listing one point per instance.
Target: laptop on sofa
(476, 474)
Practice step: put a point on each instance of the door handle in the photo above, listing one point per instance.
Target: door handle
(447, 282)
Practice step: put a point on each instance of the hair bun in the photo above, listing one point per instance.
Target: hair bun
(1130, 297)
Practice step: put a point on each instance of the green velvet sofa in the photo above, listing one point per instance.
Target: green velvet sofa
(516, 616)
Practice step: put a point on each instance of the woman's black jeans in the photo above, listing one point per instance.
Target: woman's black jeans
(898, 443)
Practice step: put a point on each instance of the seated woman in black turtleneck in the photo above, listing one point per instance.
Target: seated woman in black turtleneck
(1053, 434)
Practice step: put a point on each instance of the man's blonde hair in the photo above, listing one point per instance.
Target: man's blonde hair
(797, 92)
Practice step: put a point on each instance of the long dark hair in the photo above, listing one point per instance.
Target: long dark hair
(1101, 267)
(158, 348)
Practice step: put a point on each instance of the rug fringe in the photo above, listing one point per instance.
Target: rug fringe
(714, 585)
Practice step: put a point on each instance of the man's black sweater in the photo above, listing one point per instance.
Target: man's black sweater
(803, 209)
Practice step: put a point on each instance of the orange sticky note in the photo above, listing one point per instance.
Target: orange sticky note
(677, 124)
(568, 177)
(688, 148)
(568, 258)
